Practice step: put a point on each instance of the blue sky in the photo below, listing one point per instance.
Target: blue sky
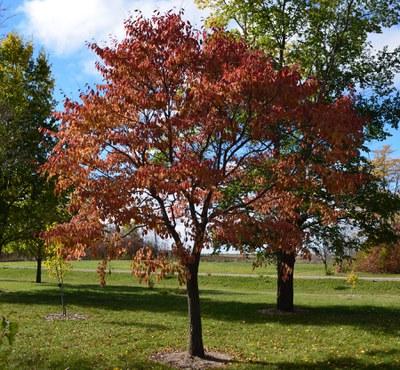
(61, 28)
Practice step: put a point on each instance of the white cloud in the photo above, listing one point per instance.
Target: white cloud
(63, 26)
(389, 37)
(89, 67)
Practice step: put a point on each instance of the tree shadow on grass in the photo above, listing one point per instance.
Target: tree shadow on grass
(336, 363)
(341, 287)
(371, 318)
(114, 298)
(339, 362)
(126, 323)
(29, 281)
(330, 363)
(86, 364)
(349, 363)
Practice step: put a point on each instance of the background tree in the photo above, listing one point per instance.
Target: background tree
(329, 40)
(27, 201)
(387, 168)
(179, 124)
(384, 255)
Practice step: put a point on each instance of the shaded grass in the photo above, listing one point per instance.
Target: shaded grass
(127, 322)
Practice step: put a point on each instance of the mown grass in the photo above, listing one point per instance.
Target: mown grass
(244, 266)
(336, 328)
(232, 267)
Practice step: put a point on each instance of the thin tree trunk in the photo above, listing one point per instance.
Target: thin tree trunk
(325, 262)
(64, 308)
(285, 291)
(39, 270)
(195, 345)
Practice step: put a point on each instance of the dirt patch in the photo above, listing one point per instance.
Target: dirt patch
(272, 311)
(60, 316)
(181, 360)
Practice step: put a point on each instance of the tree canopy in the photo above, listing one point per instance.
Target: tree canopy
(180, 121)
(387, 167)
(329, 40)
(27, 201)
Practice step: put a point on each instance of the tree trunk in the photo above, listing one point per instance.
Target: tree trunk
(39, 270)
(195, 345)
(64, 308)
(285, 281)
(325, 262)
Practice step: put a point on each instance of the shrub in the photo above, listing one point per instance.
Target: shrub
(382, 258)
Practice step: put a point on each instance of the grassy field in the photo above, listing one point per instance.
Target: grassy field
(335, 328)
(208, 267)
(236, 267)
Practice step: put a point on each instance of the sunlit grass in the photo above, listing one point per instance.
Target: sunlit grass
(244, 266)
(336, 328)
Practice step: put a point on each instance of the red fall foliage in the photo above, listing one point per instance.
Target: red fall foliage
(182, 137)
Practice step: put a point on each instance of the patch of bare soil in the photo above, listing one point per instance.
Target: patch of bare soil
(181, 360)
(270, 311)
(60, 316)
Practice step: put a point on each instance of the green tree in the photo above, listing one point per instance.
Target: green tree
(27, 201)
(329, 40)
(384, 255)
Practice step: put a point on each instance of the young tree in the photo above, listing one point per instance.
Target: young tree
(184, 131)
(329, 39)
(27, 201)
(57, 267)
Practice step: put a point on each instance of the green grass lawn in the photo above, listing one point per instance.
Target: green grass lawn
(335, 329)
(302, 268)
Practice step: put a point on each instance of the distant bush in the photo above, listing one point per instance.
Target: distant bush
(343, 264)
(382, 258)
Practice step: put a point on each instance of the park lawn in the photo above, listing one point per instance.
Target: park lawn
(208, 267)
(245, 266)
(335, 328)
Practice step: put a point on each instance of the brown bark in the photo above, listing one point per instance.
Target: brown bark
(285, 291)
(195, 345)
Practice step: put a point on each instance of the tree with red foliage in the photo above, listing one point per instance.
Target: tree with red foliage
(184, 132)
